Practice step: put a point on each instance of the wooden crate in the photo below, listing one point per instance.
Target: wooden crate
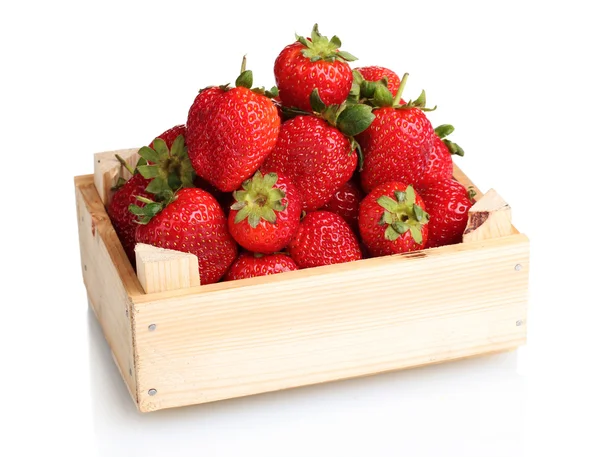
(230, 339)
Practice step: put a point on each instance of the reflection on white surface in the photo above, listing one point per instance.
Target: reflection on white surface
(474, 407)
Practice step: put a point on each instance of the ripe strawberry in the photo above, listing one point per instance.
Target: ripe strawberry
(315, 155)
(314, 63)
(439, 164)
(345, 202)
(249, 265)
(123, 220)
(191, 221)
(230, 131)
(448, 203)
(396, 145)
(324, 238)
(266, 213)
(392, 219)
(376, 73)
(169, 162)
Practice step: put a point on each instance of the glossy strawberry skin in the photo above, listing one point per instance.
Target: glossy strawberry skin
(229, 134)
(439, 163)
(373, 233)
(123, 220)
(248, 265)
(324, 238)
(296, 77)
(345, 202)
(193, 222)
(396, 146)
(267, 238)
(447, 202)
(315, 155)
(169, 135)
(376, 73)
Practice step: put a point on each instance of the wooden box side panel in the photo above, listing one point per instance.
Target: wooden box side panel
(304, 327)
(108, 276)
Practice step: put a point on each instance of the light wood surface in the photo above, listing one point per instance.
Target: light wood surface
(109, 277)
(489, 217)
(108, 170)
(331, 323)
(161, 270)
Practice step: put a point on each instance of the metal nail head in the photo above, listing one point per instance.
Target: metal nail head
(519, 323)
(518, 267)
(152, 392)
(152, 327)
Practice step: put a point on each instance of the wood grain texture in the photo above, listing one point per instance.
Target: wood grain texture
(489, 217)
(108, 276)
(330, 323)
(161, 270)
(108, 170)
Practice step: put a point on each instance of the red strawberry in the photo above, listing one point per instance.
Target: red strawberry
(448, 203)
(439, 164)
(170, 163)
(324, 238)
(192, 221)
(123, 220)
(376, 73)
(396, 145)
(315, 155)
(249, 265)
(266, 213)
(392, 219)
(170, 135)
(315, 63)
(230, 131)
(345, 202)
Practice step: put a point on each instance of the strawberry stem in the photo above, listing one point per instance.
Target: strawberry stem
(400, 89)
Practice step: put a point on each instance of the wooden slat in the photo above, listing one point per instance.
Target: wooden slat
(309, 326)
(108, 170)
(109, 277)
(161, 270)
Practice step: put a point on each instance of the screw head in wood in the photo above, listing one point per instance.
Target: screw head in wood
(152, 327)
(152, 392)
(518, 267)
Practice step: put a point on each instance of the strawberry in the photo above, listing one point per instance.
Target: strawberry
(392, 219)
(123, 220)
(313, 63)
(317, 157)
(169, 162)
(345, 202)
(448, 203)
(376, 73)
(324, 238)
(190, 221)
(439, 164)
(230, 131)
(397, 143)
(249, 265)
(266, 213)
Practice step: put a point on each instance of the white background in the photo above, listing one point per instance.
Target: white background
(519, 81)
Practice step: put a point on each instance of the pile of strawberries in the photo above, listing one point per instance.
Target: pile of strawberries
(329, 166)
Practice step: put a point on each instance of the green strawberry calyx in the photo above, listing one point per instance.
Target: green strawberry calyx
(319, 47)
(349, 118)
(168, 169)
(443, 131)
(377, 94)
(246, 79)
(258, 200)
(402, 214)
(151, 207)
